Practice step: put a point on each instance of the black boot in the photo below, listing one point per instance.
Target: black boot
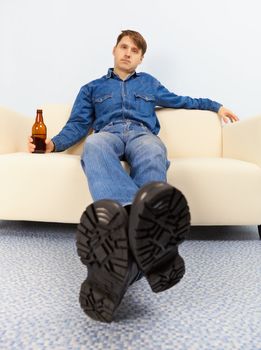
(158, 222)
(102, 244)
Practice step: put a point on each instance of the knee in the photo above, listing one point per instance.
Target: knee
(155, 149)
(159, 149)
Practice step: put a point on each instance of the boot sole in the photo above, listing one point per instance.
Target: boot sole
(102, 245)
(159, 221)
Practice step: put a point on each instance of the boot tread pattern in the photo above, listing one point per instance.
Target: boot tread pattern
(102, 245)
(162, 225)
(96, 244)
(95, 304)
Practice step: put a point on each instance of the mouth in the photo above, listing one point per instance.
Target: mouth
(125, 61)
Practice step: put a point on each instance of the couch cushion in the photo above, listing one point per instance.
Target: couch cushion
(53, 187)
(42, 187)
(220, 191)
(190, 133)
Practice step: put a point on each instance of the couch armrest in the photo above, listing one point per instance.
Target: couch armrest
(14, 130)
(242, 140)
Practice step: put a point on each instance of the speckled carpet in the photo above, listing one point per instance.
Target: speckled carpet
(217, 305)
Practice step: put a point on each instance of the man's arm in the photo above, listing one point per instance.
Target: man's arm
(78, 125)
(165, 98)
(76, 128)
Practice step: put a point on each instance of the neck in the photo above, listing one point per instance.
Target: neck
(122, 74)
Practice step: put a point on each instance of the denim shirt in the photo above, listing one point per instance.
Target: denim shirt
(110, 98)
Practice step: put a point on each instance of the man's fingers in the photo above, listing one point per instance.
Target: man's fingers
(234, 117)
(227, 115)
(31, 145)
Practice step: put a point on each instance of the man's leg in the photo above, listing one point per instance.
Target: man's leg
(101, 163)
(102, 238)
(159, 217)
(147, 156)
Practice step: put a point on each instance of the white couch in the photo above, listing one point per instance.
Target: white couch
(217, 167)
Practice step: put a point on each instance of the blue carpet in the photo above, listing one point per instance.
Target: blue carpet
(217, 305)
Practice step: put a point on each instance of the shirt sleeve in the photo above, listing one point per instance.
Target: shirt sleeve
(79, 123)
(165, 98)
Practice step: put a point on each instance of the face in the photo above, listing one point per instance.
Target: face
(127, 56)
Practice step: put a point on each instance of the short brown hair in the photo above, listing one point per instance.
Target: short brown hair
(136, 37)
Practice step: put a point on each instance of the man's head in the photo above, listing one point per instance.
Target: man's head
(136, 37)
(129, 51)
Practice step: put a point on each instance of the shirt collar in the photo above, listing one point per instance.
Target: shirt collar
(110, 74)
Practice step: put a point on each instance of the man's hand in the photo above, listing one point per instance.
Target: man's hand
(48, 142)
(226, 115)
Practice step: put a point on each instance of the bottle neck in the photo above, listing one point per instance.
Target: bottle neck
(39, 116)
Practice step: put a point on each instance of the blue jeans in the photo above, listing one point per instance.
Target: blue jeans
(123, 140)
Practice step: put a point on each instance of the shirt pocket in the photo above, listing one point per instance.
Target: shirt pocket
(145, 103)
(103, 104)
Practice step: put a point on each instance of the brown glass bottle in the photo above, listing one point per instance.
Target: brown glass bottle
(39, 132)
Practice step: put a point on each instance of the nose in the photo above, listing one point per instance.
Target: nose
(128, 53)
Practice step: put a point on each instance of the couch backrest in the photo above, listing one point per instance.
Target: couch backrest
(186, 133)
(190, 133)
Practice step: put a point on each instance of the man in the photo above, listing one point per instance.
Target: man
(137, 220)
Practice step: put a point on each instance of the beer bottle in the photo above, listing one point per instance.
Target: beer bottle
(39, 132)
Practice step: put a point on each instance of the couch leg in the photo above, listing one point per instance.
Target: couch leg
(259, 230)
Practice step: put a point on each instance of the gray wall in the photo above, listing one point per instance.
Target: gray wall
(203, 48)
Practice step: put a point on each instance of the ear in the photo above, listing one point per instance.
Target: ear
(141, 59)
(113, 50)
